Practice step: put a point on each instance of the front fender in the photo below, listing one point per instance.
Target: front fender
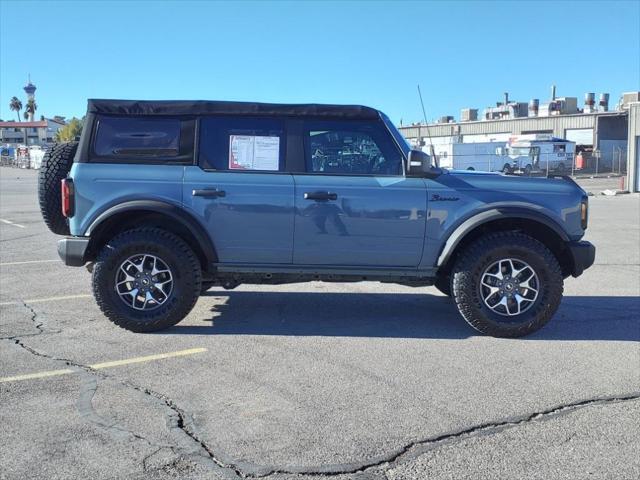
(456, 236)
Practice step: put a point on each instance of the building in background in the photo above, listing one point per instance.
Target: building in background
(601, 134)
(43, 132)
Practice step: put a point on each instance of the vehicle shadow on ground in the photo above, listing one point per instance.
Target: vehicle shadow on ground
(397, 315)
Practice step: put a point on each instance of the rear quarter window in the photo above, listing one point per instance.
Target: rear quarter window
(143, 139)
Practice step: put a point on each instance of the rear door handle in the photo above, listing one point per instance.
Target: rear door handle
(320, 196)
(208, 192)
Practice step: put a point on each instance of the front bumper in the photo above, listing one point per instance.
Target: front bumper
(72, 250)
(583, 255)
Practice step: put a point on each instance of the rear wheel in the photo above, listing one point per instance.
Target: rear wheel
(507, 168)
(527, 170)
(507, 284)
(146, 279)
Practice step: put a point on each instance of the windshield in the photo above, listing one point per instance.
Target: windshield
(519, 151)
(400, 140)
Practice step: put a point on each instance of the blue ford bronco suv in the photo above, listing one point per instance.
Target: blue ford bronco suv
(162, 200)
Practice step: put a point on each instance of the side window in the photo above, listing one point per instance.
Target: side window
(558, 148)
(152, 139)
(350, 148)
(241, 144)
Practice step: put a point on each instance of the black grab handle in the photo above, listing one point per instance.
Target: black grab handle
(205, 192)
(320, 196)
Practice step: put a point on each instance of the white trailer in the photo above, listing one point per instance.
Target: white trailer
(541, 153)
(482, 156)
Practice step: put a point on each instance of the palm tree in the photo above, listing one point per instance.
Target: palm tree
(16, 105)
(30, 109)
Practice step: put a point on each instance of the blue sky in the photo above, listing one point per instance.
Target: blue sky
(463, 54)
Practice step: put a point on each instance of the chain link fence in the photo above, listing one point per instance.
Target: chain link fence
(612, 162)
(22, 158)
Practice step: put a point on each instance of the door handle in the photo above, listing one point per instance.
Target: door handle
(320, 196)
(208, 192)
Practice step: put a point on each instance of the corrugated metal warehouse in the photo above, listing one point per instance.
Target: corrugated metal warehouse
(612, 135)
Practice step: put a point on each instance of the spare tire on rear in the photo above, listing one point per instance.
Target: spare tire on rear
(56, 164)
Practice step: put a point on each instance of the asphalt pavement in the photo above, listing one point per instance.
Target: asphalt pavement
(342, 381)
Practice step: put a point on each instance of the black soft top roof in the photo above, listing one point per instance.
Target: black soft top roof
(206, 107)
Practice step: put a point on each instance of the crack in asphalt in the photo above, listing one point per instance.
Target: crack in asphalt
(416, 448)
(37, 323)
(193, 446)
(34, 317)
(177, 419)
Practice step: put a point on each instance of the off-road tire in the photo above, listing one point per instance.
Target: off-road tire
(178, 256)
(488, 249)
(443, 284)
(56, 164)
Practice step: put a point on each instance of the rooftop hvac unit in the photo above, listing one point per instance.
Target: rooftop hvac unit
(469, 114)
(445, 119)
(629, 97)
(589, 102)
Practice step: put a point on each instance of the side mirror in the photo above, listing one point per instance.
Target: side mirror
(419, 165)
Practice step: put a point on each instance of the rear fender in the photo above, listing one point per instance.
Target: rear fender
(176, 214)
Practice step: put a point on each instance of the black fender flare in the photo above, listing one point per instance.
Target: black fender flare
(487, 216)
(180, 215)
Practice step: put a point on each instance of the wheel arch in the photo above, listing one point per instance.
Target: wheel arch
(151, 213)
(537, 225)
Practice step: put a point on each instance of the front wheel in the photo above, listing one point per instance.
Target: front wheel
(507, 284)
(146, 279)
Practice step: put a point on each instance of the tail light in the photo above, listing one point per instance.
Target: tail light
(67, 192)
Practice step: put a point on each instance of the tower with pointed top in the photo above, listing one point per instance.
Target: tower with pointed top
(30, 90)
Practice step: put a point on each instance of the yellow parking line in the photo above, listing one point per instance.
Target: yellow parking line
(97, 366)
(148, 358)
(46, 299)
(29, 376)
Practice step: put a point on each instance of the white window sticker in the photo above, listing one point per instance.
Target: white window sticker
(252, 152)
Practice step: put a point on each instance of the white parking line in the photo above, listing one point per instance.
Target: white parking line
(6, 264)
(46, 299)
(9, 222)
(98, 366)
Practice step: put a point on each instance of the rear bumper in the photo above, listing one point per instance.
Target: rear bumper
(72, 250)
(583, 254)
